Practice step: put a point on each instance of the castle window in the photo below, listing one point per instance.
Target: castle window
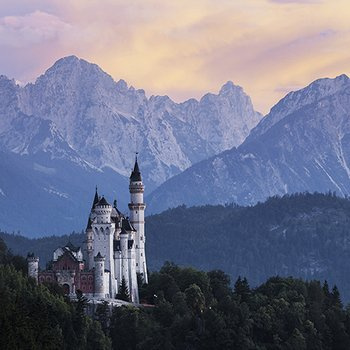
(137, 264)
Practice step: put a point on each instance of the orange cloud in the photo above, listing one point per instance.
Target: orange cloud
(184, 48)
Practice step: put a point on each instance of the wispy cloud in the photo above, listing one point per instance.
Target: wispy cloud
(182, 48)
(30, 29)
(297, 1)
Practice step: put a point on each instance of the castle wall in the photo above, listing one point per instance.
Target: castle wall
(65, 262)
(103, 244)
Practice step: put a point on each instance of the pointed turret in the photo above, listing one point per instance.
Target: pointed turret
(103, 202)
(88, 247)
(88, 226)
(135, 174)
(96, 199)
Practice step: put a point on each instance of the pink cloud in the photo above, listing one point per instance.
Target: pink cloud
(29, 29)
(297, 1)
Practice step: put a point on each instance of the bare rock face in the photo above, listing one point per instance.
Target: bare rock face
(76, 127)
(303, 144)
(107, 121)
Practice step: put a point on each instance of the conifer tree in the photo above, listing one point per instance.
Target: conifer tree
(242, 289)
(123, 292)
(103, 316)
(336, 301)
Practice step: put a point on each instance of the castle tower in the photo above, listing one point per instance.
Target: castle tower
(124, 257)
(103, 237)
(137, 219)
(33, 266)
(99, 276)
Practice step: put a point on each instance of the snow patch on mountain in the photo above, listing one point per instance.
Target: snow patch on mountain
(106, 122)
(303, 144)
(44, 169)
(56, 192)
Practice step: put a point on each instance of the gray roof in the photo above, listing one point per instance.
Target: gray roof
(103, 201)
(126, 225)
(136, 174)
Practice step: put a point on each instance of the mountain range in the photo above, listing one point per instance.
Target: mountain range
(76, 127)
(303, 144)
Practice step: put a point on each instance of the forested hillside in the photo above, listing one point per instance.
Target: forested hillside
(40, 317)
(302, 235)
(185, 309)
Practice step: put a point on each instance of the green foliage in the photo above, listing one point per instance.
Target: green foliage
(282, 313)
(195, 299)
(295, 235)
(7, 257)
(242, 289)
(102, 315)
(35, 317)
(45, 246)
(191, 310)
(302, 235)
(123, 292)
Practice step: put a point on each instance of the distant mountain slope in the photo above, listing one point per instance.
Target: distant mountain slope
(303, 144)
(75, 128)
(305, 235)
(107, 121)
(39, 195)
(45, 186)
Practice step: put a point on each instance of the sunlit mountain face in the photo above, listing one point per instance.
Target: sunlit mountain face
(301, 145)
(76, 128)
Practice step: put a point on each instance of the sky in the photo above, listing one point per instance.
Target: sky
(183, 48)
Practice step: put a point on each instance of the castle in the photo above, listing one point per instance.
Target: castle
(113, 253)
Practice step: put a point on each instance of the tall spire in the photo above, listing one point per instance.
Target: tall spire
(136, 174)
(96, 199)
(88, 226)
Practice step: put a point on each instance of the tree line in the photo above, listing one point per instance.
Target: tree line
(183, 308)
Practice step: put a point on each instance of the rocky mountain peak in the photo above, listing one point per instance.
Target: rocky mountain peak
(296, 100)
(230, 88)
(303, 144)
(122, 86)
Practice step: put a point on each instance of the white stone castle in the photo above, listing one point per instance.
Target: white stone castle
(114, 250)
